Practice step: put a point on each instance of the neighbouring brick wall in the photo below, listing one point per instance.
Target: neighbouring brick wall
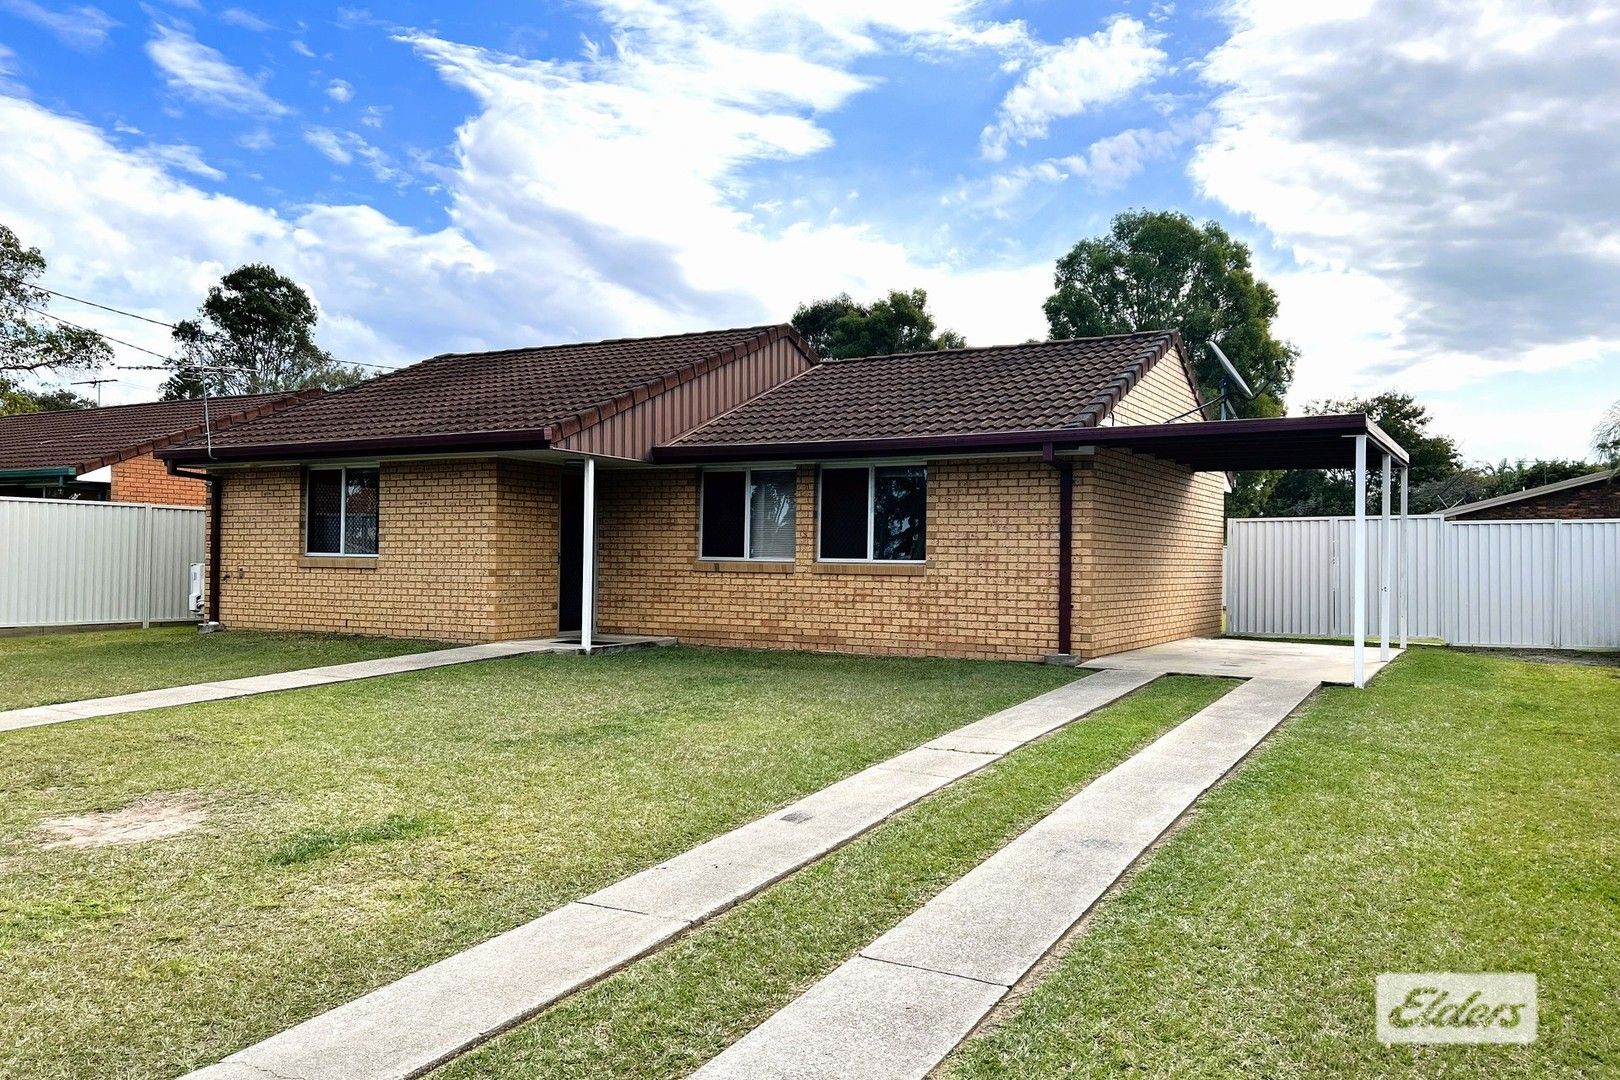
(1147, 552)
(988, 589)
(467, 552)
(1598, 500)
(146, 479)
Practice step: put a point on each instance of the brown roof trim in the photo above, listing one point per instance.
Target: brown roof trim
(1114, 391)
(1013, 441)
(217, 423)
(596, 414)
(516, 439)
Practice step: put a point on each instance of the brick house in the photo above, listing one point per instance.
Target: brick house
(1593, 496)
(731, 488)
(105, 454)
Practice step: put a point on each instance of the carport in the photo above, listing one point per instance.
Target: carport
(1350, 441)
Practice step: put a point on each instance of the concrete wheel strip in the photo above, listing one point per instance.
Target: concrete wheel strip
(409, 1027)
(900, 1007)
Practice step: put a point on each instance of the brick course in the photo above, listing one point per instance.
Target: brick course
(988, 589)
(145, 479)
(467, 552)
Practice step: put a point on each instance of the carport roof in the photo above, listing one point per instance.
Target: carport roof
(1287, 442)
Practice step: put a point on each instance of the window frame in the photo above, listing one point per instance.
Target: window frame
(343, 510)
(748, 472)
(871, 468)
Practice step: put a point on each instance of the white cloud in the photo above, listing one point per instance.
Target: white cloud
(372, 115)
(1464, 160)
(301, 49)
(202, 74)
(339, 91)
(343, 147)
(1067, 79)
(84, 28)
(599, 196)
(244, 18)
(184, 157)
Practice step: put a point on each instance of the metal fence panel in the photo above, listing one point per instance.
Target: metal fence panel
(1548, 584)
(66, 563)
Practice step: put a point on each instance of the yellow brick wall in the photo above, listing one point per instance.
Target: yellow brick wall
(988, 590)
(145, 479)
(1147, 552)
(467, 552)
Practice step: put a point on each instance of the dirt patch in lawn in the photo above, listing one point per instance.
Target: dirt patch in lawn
(151, 817)
(1552, 656)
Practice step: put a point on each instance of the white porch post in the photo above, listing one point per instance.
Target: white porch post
(1386, 560)
(1406, 542)
(587, 576)
(1358, 576)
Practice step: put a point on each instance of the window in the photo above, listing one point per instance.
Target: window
(876, 513)
(748, 514)
(341, 511)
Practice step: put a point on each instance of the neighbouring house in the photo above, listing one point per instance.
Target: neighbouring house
(1596, 495)
(732, 488)
(105, 454)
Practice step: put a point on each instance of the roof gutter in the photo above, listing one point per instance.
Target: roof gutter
(1034, 441)
(516, 439)
(49, 472)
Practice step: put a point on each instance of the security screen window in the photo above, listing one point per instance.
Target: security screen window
(748, 514)
(341, 511)
(874, 513)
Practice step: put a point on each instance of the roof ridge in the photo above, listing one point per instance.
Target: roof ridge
(148, 404)
(993, 348)
(762, 327)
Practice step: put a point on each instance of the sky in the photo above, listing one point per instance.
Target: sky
(1432, 188)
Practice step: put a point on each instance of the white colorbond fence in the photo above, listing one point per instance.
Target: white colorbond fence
(81, 563)
(1531, 584)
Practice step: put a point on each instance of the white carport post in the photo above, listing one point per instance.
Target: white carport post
(1406, 543)
(587, 574)
(1386, 560)
(1358, 579)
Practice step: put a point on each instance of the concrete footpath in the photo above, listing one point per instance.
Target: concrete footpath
(410, 1026)
(263, 684)
(900, 1007)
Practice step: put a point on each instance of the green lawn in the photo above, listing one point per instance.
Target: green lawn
(44, 669)
(665, 1016)
(359, 831)
(1463, 814)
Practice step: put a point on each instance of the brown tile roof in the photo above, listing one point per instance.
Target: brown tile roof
(86, 439)
(1040, 385)
(509, 397)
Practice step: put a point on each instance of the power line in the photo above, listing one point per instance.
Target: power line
(91, 303)
(98, 333)
(133, 315)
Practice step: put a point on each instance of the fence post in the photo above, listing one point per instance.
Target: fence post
(143, 573)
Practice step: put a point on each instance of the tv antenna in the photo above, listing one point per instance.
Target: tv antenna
(1229, 378)
(97, 383)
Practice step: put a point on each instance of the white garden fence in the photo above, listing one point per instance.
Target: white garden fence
(1532, 584)
(68, 563)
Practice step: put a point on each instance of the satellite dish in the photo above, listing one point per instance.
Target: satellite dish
(1231, 371)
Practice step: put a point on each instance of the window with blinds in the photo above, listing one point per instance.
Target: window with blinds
(748, 514)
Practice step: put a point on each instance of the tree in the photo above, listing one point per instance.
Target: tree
(28, 343)
(254, 334)
(1434, 459)
(900, 322)
(15, 399)
(1159, 270)
(1606, 437)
